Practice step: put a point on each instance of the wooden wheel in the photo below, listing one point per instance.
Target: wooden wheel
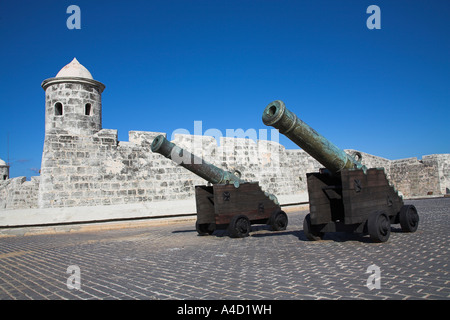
(409, 218)
(239, 226)
(379, 226)
(278, 221)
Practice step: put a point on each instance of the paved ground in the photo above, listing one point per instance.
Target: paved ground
(172, 262)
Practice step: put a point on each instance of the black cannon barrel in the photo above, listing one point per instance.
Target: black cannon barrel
(193, 163)
(334, 159)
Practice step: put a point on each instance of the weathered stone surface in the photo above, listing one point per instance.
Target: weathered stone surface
(80, 170)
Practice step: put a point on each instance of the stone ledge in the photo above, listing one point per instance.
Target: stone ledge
(86, 214)
(53, 216)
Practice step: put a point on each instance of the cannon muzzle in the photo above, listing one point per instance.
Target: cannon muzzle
(193, 163)
(334, 159)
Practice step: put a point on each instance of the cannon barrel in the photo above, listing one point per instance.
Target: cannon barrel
(334, 159)
(193, 163)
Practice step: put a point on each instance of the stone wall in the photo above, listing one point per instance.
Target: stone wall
(17, 193)
(79, 106)
(81, 170)
(97, 169)
(442, 161)
(429, 176)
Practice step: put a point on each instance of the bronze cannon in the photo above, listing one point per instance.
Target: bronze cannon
(229, 202)
(345, 195)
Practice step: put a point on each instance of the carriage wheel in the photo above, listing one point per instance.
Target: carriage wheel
(379, 226)
(409, 218)
(239, 226)
(278, 221)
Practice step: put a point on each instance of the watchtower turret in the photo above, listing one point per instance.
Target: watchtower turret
(73, 100)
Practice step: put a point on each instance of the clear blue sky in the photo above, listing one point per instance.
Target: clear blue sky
(169, 63)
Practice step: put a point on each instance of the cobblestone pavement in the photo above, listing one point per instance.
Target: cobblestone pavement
(172, 262)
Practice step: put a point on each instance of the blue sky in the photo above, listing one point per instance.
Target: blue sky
(169, 63)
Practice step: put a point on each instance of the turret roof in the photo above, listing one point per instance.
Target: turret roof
(74, 69)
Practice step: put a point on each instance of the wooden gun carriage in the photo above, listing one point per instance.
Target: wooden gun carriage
(345, 195)
(229, 202)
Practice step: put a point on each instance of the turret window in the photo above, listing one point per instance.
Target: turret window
(87, 109)
(58, 109)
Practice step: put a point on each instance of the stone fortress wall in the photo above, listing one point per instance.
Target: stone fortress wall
(85, 165)
(83, 170)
